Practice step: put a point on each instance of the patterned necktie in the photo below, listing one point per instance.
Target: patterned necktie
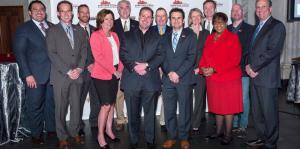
(174, 41)
(161, 32)
(69, 34)
(43, 28)
(125, 27)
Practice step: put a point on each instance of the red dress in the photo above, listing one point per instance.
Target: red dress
(224, 87)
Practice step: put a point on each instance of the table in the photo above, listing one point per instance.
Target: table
(11, 101)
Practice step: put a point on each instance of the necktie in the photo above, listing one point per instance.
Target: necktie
(161, 32)
(125, 27)
(255, 34)
(43, 28)
(69, 34)
(208, 26)
(174, 41)
(86, 31)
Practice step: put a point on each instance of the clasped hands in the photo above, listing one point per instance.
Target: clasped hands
(250, 71)
(74, 73)
(140, 68)
(174, 77)
(207, 71)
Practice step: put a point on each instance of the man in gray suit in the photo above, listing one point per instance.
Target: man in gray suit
(264, 69)
(67, 48)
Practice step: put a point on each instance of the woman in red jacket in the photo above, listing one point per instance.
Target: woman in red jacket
(106, 73)
(220, 64)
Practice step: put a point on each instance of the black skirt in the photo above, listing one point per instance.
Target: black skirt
(107, 90)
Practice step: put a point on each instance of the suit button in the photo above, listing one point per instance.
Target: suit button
(73, 55)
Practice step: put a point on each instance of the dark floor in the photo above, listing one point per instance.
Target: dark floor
(289, 135)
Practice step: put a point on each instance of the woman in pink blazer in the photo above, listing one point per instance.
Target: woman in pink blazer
(106, 72)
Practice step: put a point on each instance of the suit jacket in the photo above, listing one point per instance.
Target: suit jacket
(168, 29)
(200, 45)
(223, 55)
(264, 56)
(244, 34)
(90, 58)
(152, 53)
(213, 30)
(102, 52)
(30, 49)
(63, 57)
(183, 60)
(118, 27)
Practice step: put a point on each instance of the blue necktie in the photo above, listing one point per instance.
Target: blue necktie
(255, 34)
(174, 41)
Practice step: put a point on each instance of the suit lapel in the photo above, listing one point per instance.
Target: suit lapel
(75, 37)
(64, 34)
(37, 30)
(263, 30)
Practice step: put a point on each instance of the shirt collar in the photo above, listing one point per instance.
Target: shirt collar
(38, 23)
(178, 32)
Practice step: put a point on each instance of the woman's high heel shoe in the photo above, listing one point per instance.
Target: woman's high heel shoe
(112, 140)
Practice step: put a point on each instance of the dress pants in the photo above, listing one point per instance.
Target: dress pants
(120, 107)
(200, 101)
(88, 87)
(135, 100)
(264, 102)
(67, 93)
(40, 108)
(182, 94)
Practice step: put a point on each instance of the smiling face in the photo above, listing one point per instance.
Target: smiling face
(209, 9)
(37, 12)
(65, 13)
(84, 14)
(161, 18)
(219, 25)
(145, 19)
(263, 9)
(124, 10)
(176, 20)
(196, 17)
(236, 12)
(108, 22)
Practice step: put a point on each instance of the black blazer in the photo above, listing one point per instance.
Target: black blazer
(245, 32)
(264, 56)
(118, 27)
(200, 45)
(89, 58)
(183, 60)
(168, 29)
(131, 51)
(31, 52)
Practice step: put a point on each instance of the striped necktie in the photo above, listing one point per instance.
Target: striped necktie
(174, 41)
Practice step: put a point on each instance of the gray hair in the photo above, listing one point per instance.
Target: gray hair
(123, 1)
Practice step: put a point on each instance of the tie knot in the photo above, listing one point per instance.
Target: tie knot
(42, 24)
(175, 34)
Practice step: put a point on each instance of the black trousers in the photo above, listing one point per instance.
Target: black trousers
(135, 100)
(264, 102)
(88, 87)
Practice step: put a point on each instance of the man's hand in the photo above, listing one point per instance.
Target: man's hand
(196, 71)
(140, 68)
(30, 81)
(75, 73)
(173, 76)
(250, 71)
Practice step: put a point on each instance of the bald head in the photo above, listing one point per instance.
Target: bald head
(237, 12)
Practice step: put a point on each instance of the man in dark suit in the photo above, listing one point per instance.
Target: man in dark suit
(178, 77)
(32, 57)
(209, 9)
(88, 86)
(264, 69)
(243, 30)
(122, 25)
(67, 48)
(161, 27)
(141, 55)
